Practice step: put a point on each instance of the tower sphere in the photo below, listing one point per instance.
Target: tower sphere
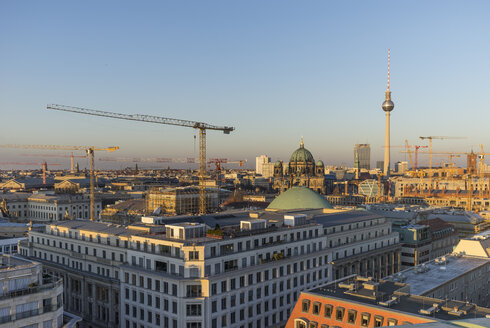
(388, 105)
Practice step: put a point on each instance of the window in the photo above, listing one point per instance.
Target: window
(316, 308)
(351, 316)
(378, 321)
(193, 310)
(339, 313)
(300, 323)
(328, 311)
(365, 317)
(305, 306)
(392, 322)
(313, 324)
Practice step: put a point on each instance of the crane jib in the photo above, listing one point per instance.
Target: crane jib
(142, 118)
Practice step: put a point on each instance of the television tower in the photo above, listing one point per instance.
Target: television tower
(387, 106)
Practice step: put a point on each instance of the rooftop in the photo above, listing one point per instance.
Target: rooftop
(299, 198)
(9, 263)
(396, 296)
(432, 274)
(229, 223)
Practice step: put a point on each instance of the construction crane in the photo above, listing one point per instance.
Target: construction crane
(72, 158)
(44, 167)
(188, 160)
(430, 138)
(90, 153)
(407, 147)
(201, 126)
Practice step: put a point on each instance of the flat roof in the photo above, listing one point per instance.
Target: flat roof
(228, 222)
(438, 274)
(405, 302)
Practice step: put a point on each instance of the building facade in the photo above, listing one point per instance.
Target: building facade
(302, 170)
(180, 200)
(230, 270)
(362, 302)
(260, 161)
(362, 153)
(27, 298)
(50, 206)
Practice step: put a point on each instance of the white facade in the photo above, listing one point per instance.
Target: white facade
(26, 298)
(52, 207)
(260, 161)
(229, 278)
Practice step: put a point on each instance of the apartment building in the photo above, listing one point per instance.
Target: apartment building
(27, 298)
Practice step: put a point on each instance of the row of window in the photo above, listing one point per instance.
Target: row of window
(338, 313)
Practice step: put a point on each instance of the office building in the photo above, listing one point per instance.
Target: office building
(260, 161)
(363, 153)
(221, 270)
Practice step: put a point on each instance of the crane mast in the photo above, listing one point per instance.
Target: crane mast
(201, 126)
(90, 152)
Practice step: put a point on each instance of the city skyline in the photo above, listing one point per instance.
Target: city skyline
(275, 72)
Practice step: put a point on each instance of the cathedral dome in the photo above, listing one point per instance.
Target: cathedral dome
(299, 198)
(301, 155)
(278, 164)
(319, 163)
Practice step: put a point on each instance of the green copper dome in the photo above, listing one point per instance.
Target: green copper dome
(301, 155)
(319, 163)
(299, 198)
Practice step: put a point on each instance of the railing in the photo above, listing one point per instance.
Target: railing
(48, 284)
(29, 313)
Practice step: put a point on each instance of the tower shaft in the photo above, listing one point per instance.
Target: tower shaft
(386, 169)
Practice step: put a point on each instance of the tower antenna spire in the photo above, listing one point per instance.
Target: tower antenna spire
(388, 87)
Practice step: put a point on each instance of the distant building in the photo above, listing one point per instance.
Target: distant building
(401, 167)
(180, 200)
(300, 171)
(29, 299)
(363, 153)
(260, 161)
(49, 206)
(380, 165)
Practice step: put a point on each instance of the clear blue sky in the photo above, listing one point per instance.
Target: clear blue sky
(276, 70)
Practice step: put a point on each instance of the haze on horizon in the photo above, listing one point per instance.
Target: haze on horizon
(274, 70)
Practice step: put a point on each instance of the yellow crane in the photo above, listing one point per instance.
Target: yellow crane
(430, 138)
(90, 152)
(201, 126)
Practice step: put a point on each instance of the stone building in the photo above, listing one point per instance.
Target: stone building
(27, 298)
(300, 171)
(219, 270)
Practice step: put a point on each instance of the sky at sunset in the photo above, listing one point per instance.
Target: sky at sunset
(274, 70)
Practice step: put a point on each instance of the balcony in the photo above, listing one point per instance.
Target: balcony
(49, 283)
(28, 314)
